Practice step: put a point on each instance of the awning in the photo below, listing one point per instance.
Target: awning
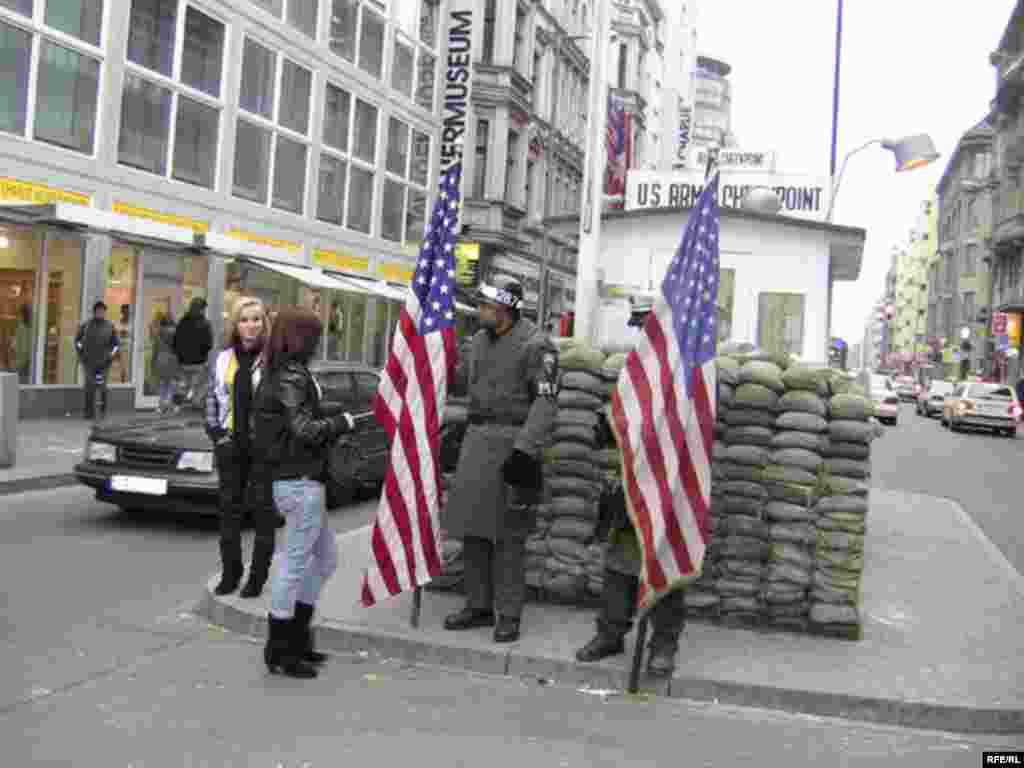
(312, 277)
(117, 224)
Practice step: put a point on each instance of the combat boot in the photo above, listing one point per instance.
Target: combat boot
(661, 659)
(601, 646)
(469, 618)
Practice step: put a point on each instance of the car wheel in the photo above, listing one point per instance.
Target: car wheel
(954, 426)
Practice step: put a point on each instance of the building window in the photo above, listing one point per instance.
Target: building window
(331, 194)
(404, 198)
(969, 310)
(371, 43)
(346, 172)
(427, 77)
(78, 18)
(337, 113)
(511, 169)
(300, 14)
(483, 129)
(780, 323)
(272, 141)
(402, 68)
(360, 200)
(430, 13)
(520, 39)
(538, 63)
(623, 64)
(15, 60)
(726, 302)
(184, 103)
(66, 100)
(490, 18)
(344, 26)
(365, 132)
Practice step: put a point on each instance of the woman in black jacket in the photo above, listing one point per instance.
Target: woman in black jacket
(294, 434)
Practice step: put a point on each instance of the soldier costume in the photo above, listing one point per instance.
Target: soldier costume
(513, 388)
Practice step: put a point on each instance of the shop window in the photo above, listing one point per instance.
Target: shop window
(296, 84)
(337, 113)
(145, 122)
(356, 327)
(203, 55)
(289, 175)
(259, 66)
(20, 264)
(15, 59)
(196, 136)
(331, 189)
(78, 18)
(378, 344)
(63, 310)
(365, 132)
(119, 296)
(360, 199)
(337, 325)
(66, 101)
(151, 34)
(371, 43)
(780, 323)
(23, 7)
(402, 68)
(252, 161)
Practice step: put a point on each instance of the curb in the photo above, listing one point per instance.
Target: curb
(341, 638)
(45, 483)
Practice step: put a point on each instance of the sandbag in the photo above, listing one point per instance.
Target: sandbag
(738, 505)
(743, 488)
(718, 449)
(565, 586)
(574, 434)
(728, 587)
(838, 558)
(851, 542)
(743, 569)
(613, 365)
(793, 439)
(727, 370)
(854, 505)
(763, 373)
(566, 451)
(535, 578)
(783, 512)
(755, 396)
(726, 394)
(835, 449)
(743, 548)
(584, 382)
(848, 467)
(532, 562)
(795, 533)
(575, 417)
(574, 468)
(840, 521)
(537, 546)
(731, 471)
(569, 550)
(834, 485)
(848, 431)
(749, 417)
(805, 378)
(742, 525)
(826, 594)
(791, 493)
(776, 473)
(850, 408)
(581, 357)
(802, 401)
(797, 457)
(740, 604)
(577, 398)
(572, 528)
(833, 613)
(780, 593)
(785, 552)
(699, 598)
(788, 572)
(750, 455)
(572, 486)
(749, 436)
(544, 511)
(609, 458)
(801, 422)
(836, 578)
(787, 615)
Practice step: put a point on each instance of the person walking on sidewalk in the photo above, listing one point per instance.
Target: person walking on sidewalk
(165, 364)
(96, 344)
(296, 433)
(235, 375)
(193, 341)
(513, 388)
(23, 344)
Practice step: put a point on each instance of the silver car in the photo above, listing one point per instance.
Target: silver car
(986, 406)
(930, 401)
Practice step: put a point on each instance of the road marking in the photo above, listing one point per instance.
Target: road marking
(993, 551)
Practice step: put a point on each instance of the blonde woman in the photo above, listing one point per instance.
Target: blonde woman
(235, 374)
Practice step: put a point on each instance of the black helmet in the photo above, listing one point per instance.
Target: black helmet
(502, 290)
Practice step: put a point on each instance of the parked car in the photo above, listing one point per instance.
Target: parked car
(166, 461)
(930, 400)
(905, 388)
(880, 390)
(982, 405)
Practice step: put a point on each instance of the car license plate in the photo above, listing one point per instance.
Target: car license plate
(151, 486)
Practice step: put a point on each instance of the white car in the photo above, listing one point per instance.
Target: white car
(985, 406)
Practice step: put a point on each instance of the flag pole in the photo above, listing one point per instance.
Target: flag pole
(417, 604)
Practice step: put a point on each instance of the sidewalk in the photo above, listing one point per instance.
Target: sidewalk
(48, 450)
(943, 612)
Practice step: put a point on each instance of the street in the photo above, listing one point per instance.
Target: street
(105, 665)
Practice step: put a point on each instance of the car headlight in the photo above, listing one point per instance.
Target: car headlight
(198, 461)
(105, 452)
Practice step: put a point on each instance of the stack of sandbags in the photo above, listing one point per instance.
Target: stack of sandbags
(842, 521)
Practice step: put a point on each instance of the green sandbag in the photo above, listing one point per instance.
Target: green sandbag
(839, 450)
(613, 365)
(836, 578)
(784, 512)
(582, 357)
(743, 488)
(740, 569)
(834, 485)
(728, 370)
(787, 552)
(749, 436)
(574, 506)
(850, 408)
(585, 382)
(805, 378)
(608, 458)
(577, 398)
(803, 402)
(794, 533)
(854, 505)
(847, 431)
(564, 343)
(794, 439)
(750, 455)
(567, 451)
(848, 467)
(756, 396)
(730, 586)
(851, 542)
(838, 558)
(573, 434)
(788, 572)
(791, 493)
(743, 548)
(572, 528)
(832, 613)
(764, 373)
(801, 422)
(740, 525)
(825, 594)
(841, 521)
(750, 417)
(575, 417)
(738, 505)
(726, 394)
(797, 457)
(777, 473)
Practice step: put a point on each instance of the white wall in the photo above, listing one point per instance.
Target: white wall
(770, 257)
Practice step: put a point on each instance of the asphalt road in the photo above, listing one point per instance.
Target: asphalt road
(981, 472)
(104, 665)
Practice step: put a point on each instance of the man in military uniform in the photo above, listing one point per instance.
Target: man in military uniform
(513, 388)
(622, 572)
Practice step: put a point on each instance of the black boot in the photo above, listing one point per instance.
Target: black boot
(304, 629)
(262, 553)
(468, 618)
(601, 646)
(231, 567)
(279, 653)
(507, 630)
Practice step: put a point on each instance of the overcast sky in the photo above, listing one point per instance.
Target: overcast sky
(908, 66)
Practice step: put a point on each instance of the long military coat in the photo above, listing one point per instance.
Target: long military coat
(513, 384)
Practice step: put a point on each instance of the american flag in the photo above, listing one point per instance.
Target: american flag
(663, 411)
(405, 544)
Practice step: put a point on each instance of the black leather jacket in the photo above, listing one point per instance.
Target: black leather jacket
(292, 433)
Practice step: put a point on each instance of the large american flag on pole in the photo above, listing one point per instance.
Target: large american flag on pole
(663, 411)
(405, 547)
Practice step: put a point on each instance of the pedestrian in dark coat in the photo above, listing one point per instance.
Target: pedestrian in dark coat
(96, 344)
(513, 386)
(193, 341)
(165, 364)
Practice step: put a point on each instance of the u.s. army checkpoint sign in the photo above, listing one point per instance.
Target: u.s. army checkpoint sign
(802, 197)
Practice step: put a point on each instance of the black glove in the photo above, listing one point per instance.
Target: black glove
(522, 471)
(330, 409)
(343, 423)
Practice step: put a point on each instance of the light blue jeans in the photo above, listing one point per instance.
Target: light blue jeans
(309, 555)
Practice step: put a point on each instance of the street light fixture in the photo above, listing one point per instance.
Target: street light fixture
(910, 152)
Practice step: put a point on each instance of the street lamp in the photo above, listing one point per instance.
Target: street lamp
(910, 152)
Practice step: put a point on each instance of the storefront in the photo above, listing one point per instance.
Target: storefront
(1006, 333)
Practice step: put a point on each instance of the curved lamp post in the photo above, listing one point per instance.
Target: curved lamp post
(910, 152)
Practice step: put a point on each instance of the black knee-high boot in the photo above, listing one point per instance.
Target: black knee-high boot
(279, 653)
(304, 631)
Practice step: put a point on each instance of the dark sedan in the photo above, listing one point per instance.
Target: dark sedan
(166, 462)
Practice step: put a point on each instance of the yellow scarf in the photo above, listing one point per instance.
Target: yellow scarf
(229, 382)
